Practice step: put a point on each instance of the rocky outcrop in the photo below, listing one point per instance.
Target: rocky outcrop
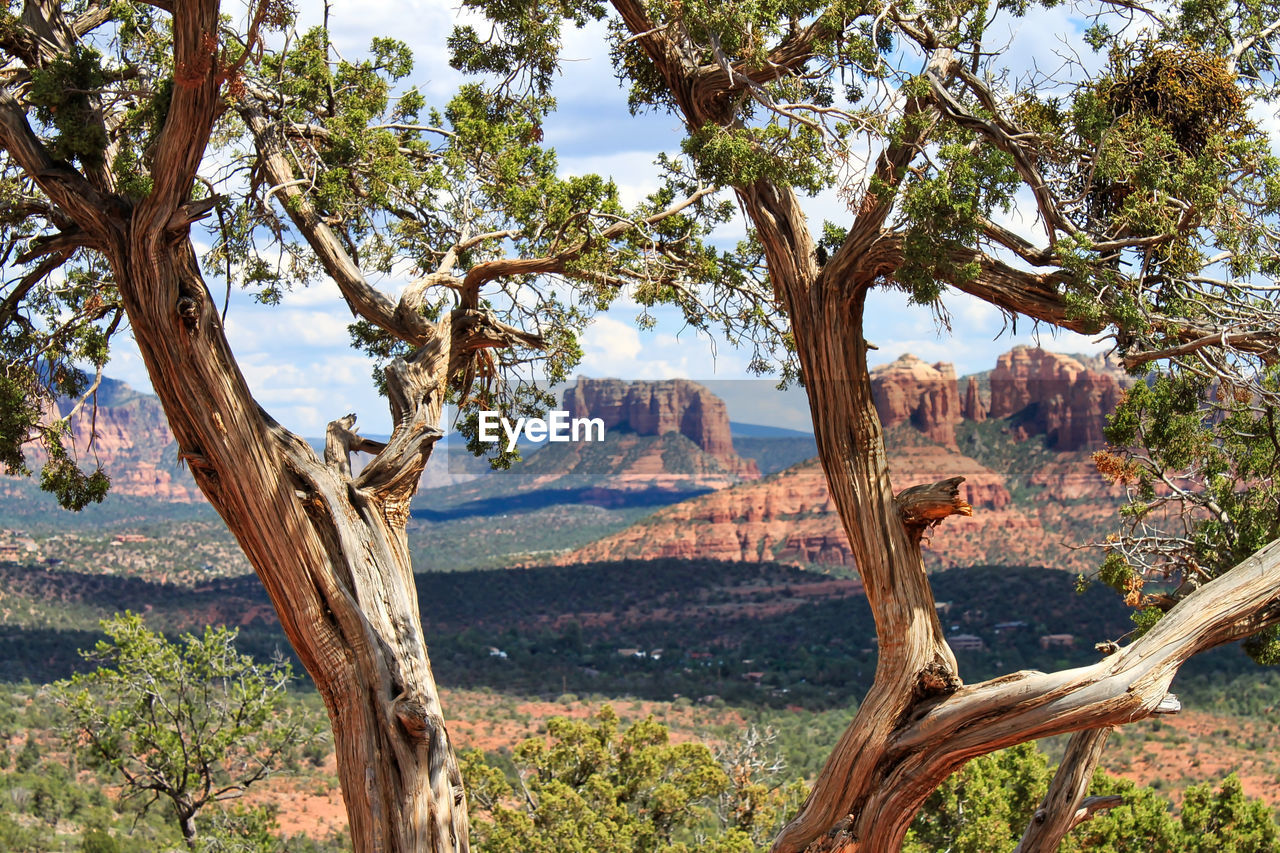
(973, 409)
(128, 436)
(911, 391)
(1054, 395)
(789, 517)
(657, 408)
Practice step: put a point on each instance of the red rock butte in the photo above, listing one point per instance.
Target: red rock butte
(1047, 394)
(660, 407)
(911, 391)
(789, 517)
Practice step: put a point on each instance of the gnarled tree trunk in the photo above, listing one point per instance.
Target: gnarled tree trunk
(330, 548)
(919, 722)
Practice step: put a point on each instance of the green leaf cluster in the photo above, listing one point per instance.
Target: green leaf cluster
(590, 786)
(190, 723)
(942, 211)
(61, 94)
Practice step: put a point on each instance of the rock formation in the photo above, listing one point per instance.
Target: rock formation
(974, 409)
(657, 408)
(1054, 403)
(789, 517)
(128, 436)
(1054, 395)
(911, 391)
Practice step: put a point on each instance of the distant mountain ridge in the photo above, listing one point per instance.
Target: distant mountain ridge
(1020, 433)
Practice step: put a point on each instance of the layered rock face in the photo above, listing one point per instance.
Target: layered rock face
(657, 408)
(973, 409)
(128, 436)
(1054, 395)
(1046, 393)
(790, 517)
(911, 391)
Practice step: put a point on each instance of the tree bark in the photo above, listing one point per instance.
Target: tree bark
(331, 551)
(329, 548)
(1065, 806)
(187, 825)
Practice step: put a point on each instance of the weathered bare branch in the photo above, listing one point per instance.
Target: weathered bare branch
(341, 440)
(914, 755)
(924, 506)
(1064, 805)
(1259, 342)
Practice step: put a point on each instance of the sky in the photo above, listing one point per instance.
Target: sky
(296, 355)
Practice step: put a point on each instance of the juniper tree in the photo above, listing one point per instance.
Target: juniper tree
(1146, 190)
(190, 724)
(129, 132)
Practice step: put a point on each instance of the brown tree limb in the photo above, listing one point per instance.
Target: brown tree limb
(364, 300)
(1002, 135)
(341, 440)
(1129, 685)
(921, 116)
(924, 506)
(195, 104)
(66, 188)
(1034, 294)
(1064, 806)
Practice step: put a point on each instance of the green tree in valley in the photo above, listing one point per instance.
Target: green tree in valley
(190, 724)
(984, 806)
(1226, 820)
(588, 786)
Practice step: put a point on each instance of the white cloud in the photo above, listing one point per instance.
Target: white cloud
(609, 347)
(297, 358)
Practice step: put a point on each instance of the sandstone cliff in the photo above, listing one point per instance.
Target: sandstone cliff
(789, 517)
(1033, 433)
(1053, 395)
(974, 409)
(657, 408)
(910, 391)
(127, 435)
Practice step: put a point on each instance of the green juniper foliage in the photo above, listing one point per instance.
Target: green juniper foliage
(590, 785)
(191, 723)
(449, 194)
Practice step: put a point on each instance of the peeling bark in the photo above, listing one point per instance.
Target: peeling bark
(329, 548)
(331, 552)
(1065, 806)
